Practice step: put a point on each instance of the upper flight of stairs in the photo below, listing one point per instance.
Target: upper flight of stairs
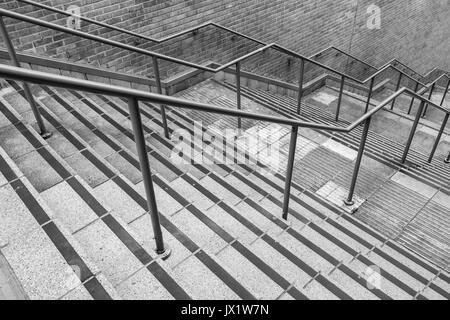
(222, 222)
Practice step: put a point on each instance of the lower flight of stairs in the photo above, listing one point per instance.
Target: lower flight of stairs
(222, 222)
(396, 199)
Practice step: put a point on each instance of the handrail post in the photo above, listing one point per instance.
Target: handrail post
(349, 201)
(290, 168)
(300, 85)
(445, 93)
(341, 92)
(160, 91)
(438, 138)
(372, 82)
(429, 98)
(136, 122)
(447, 160)
(399, 82)
(26, 89)
(412, 99)
(238, 91)
(413, 131)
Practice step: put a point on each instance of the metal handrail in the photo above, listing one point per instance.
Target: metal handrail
(343, 75)
(139, 95)
(134, 96)
(237, 62)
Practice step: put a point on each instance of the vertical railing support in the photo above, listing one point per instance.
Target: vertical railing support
(341, 93)
(438, 138)
(447, 160)
(136, 122)
(445, 93)
(160, 91)
(372, 83)
(413, 131)
(300, 85)
(412, 98)
(362, 145)
(238, 91)
(26, 89)
(290, 168)
(429, 98)
(399, 82)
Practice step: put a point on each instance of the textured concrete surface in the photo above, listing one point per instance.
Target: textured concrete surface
(198, 231)
(14, 143)
(245, 272)
(142, 286)
(116, 198)
(15, 219)
(68, 206)
(40, 173)
(108, 252)
(40, 268)
(165, 202)
(414, 185)
(202, 283)
(86, 170)
(10, 287)
(340, 149)
(143, 228)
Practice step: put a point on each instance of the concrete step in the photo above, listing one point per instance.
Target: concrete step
(45, 259)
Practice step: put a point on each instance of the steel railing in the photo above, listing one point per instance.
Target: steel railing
(344, 77)
(237, 62)
(135, 96)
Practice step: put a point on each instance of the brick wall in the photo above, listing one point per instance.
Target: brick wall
(415, 31)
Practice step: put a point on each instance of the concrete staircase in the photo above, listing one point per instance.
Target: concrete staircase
(406, 203)
(221, 221)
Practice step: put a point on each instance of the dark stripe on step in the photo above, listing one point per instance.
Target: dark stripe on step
(99, 164)
(7, 171)
(96, 290)
(55, 164)
(87, 197)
